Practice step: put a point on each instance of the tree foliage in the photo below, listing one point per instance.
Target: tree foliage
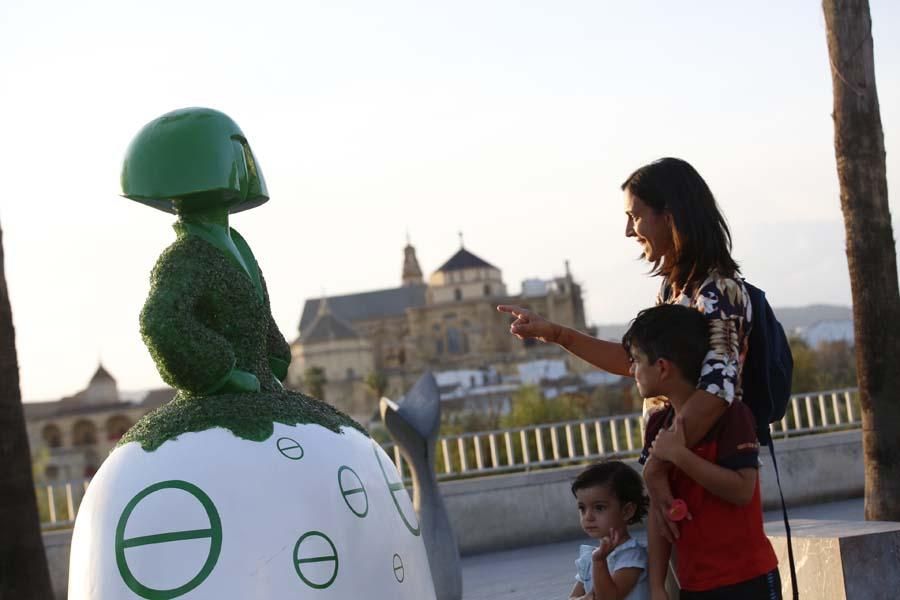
(453, 424)
(828, 366)
(314, 381)
(530, 407)
(377, 381)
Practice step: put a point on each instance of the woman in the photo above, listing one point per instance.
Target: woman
(673, 215)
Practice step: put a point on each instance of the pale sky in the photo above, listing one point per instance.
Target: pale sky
(514, 122)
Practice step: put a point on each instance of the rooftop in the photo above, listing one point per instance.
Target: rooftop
(328, 326)
(464, 259)
(101, 374)
(366, 305)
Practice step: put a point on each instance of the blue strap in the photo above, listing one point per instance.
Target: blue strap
(787, 526)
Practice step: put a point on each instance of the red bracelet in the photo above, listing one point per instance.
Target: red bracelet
(678, 510)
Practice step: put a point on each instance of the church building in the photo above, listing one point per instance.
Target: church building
(69, 438)
(449, 322)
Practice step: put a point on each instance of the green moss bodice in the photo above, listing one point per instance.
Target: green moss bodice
(205, 316)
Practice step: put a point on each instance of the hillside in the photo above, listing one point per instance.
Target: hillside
(791, 318)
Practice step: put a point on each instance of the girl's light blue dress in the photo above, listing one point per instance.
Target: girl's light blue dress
(629, 555)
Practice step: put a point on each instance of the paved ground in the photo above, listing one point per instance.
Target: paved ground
(547, 571)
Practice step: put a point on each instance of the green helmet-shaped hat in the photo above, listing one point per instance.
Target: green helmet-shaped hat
(192, 159)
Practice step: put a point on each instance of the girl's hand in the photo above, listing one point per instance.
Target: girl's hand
(607, 545)
(669, 443)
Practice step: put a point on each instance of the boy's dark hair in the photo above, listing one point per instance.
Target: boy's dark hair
(624, 482)
(701, 235)
(676, 333)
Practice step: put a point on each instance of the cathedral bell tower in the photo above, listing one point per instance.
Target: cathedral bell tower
(412, 274)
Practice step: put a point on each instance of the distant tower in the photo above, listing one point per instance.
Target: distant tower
(324, 309)
(412, 274)
(102, 388)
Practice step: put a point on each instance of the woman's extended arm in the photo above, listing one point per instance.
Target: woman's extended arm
(609, 356)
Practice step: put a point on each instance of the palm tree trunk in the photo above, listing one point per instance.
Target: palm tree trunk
(23, 564)
(871, 255)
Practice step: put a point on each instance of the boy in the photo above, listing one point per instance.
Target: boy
(722, 550)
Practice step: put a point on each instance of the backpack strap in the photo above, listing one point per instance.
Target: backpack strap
(787, 526)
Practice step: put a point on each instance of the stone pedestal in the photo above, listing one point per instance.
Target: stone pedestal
(841, 560)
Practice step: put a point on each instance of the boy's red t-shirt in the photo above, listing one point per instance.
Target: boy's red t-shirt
(724, 543)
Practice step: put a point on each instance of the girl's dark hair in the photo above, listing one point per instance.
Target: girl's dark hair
(701, 238)
(624, 482)
(674, 332)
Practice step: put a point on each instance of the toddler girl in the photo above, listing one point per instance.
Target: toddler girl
(610, 496)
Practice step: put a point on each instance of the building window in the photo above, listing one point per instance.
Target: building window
(350, 374)
(439, 346)
(84, 433)
(455, 344)
(52, 436)
(116, 427)
(457, 294)
(487, 290)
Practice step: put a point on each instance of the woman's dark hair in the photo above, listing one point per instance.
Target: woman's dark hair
(701, 238)
(624, 482)
(676, 333)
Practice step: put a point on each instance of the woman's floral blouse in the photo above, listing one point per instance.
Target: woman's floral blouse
(725, 303)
